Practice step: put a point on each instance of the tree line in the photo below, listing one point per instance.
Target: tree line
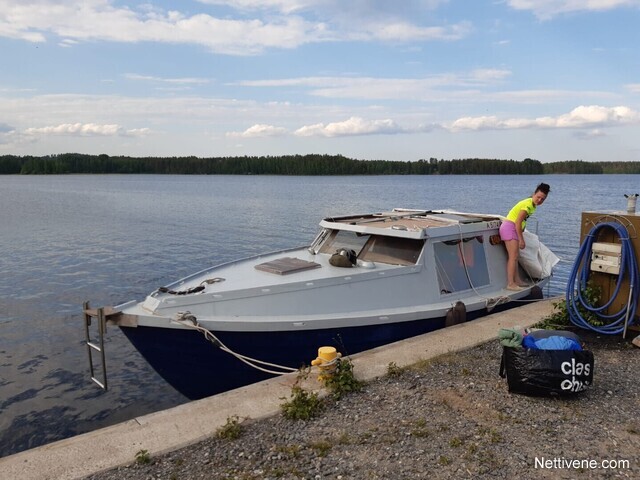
(312, 164)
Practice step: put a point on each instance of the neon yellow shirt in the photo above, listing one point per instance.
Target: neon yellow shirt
(527, 205)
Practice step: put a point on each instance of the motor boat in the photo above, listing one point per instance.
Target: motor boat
(364, 281)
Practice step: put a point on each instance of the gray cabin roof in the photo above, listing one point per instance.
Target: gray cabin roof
(415, 224)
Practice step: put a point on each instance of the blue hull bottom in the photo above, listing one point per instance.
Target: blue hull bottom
(197, 369)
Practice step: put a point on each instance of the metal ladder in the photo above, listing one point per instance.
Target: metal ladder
(101, 316)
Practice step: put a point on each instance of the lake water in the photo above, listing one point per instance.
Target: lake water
(110, 239)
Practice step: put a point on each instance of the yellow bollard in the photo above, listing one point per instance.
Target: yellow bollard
(326, 361)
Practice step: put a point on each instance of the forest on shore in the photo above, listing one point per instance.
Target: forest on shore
(312, 164)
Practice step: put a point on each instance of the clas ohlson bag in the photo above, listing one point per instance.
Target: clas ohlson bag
(538, 372)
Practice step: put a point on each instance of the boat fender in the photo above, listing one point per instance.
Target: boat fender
(456, 314)
(536, 293)
(343, 258)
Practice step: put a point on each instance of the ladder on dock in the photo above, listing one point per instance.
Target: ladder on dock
(101, 315)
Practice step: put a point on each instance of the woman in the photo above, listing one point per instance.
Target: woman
(511, 232)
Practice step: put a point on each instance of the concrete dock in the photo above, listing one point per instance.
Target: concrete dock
(168, 430)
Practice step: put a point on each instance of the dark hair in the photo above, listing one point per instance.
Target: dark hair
(544, 188)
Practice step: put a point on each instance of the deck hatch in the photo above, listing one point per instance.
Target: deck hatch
(286, 265)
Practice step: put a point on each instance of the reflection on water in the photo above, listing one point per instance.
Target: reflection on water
(111, 239)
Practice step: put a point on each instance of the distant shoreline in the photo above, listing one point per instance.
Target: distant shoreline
(310, 164)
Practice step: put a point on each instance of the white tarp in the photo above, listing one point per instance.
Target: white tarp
(536, 259)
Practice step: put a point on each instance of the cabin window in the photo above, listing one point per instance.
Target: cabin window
(461, 264)
(375, 248)
(392, 250)
(344, 239)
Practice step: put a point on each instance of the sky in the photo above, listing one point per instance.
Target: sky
(551, 80)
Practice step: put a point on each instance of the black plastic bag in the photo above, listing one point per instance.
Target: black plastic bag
(547, 372)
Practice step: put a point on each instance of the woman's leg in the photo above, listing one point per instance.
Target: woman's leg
(513, 250)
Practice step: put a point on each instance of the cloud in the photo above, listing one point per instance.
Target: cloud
(408, 32)
(371, 88)
(67, 43)
(633, 87)
(262, 25)
(33, 20)
(160, 113)
(110, 114)
(581, 117)
(180, 81)
(283, 6)
(521, 97)
(259, 130)
(487, 75)
(137, 132)
(397, 22)
(353, 9)
(591, 116)
(547, 9)
(590, 134)
(351, 127)
(86, 130)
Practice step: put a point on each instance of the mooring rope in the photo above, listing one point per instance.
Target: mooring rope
(189, 320)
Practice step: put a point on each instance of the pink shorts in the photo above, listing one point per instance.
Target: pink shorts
(508, 231)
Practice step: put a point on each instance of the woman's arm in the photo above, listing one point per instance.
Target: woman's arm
(521, 217)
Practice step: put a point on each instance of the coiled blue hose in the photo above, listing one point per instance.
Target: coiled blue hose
(580, 275)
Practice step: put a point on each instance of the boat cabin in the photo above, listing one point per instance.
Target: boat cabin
(398, 238)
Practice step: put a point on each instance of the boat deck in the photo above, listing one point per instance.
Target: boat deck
(269, 271)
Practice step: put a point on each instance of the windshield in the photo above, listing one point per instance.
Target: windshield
(375, 248)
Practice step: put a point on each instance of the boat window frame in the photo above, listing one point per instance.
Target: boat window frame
(365, 249)
(451, 274)
(331, 244)
(388, 242)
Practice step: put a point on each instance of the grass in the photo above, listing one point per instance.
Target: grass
(302, 405)
(290, 450)
(342, 381)
(455, 442)
(321, 447)
(494, 435)
(230, 430)
(394, 371)
(143, 457)
(420, 429)
(559, 318)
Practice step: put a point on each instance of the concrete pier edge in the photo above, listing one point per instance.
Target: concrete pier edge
(169, 430)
